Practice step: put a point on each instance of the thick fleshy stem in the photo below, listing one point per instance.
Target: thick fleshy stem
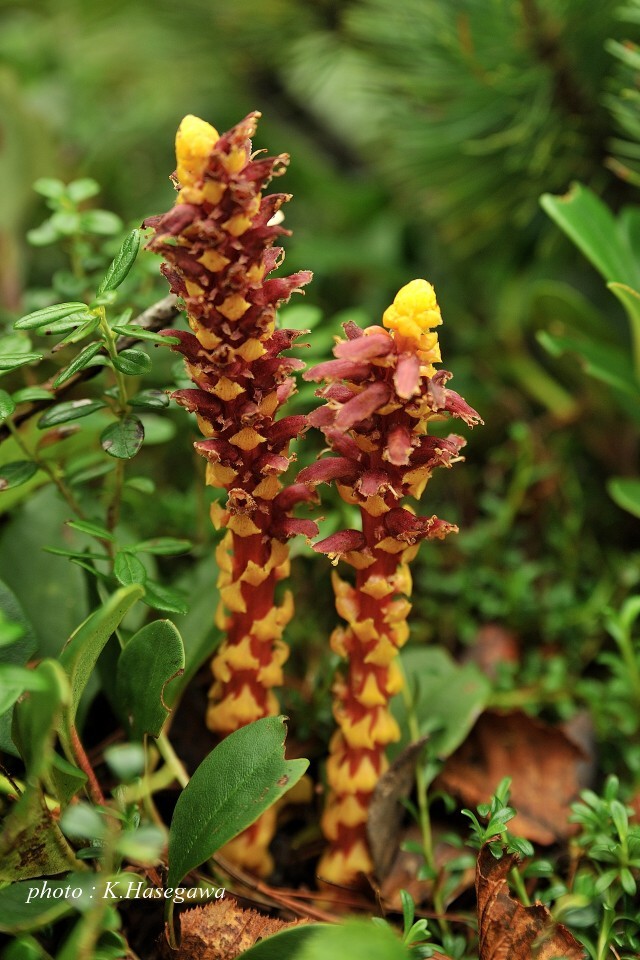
(382, 393)
(218, 245)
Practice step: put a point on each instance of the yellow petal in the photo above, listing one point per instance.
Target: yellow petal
(242, 525)
(233, 307)
(251, 350)
(247, 439)
(226, 389)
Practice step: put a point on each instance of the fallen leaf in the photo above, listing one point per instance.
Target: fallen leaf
(222, 931)
(386, 812)
(507, 929)
(541, 760)
(493, 645)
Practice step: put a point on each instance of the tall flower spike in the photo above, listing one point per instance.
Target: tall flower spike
(381, 393)
(218, 244)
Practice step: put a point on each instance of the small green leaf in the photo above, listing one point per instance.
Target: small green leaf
(122, 263)
(43, 235)
(149, 661)
(603, 361)
(71, 410)
(126, 760)
(140, 333)
(240, 779)
(164, 598)
(79, 333)
(93, 529)
(153, 399)
(142, 846)
(83, 189)
(103, 223)
(56, 311)
(50, 187)
(82, 822)
(72, 322)
(7, 405)
(65, 222)
(128, 569)
(162, 546)
(14, 681)
(15, 473)
(78, 363)
(80, 653)
(141, 484)
(288, 944)
(625, 491)
(123, 439)
(132, 362)
(29, 394)
(11, 361)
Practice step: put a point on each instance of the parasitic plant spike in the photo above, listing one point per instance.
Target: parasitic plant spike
(218, 247)
(381, 392)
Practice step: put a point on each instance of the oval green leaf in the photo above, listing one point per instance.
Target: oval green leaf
(11, 361)
(71, 410)
(122, 263)
(128, 569)
(7, 405)
(233, 785)
(15, 473)
(625, 491)
(56, 311)
(123, 439)
(164, 598)
(132, 362)
(152, 399)
(149, 661)
(78, 363)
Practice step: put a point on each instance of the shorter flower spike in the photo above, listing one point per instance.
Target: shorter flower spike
(218, 246)
(382, 391)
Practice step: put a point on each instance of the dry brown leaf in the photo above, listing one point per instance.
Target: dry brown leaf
(540, 759)
(222, 930)
(386, 813)
(510, 931)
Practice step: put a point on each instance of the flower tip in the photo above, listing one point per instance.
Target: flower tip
(413, 311)
(195, 140)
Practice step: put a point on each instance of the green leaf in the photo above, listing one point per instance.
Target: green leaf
(78, 363)
(240, 779)
(93, 529)
(161, 546)
(132, 362)
(122, 263)
(29, 394)
(593, 229)
(128, 569)
(81, 652)
(149, 661)
(31, 843)
(11, 361)
(70, 410)
(79, 333)
(56, 311)
(7, 405)
(43, 235)
(447, 699)
(49, 187)
(286, 945)
(103, 223)
(123, 439)
(603, 361)
(82, 822)
(82, 189)
(164, 598)
(153, 399)
(140, 333)
(625, 492)
(317, 941)
(126, 761)
(68, 323)
(17, 472)
(14, 681)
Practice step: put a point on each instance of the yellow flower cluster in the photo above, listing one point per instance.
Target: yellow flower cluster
(412, 314)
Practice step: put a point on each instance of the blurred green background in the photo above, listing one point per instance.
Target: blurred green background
(422, 134)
